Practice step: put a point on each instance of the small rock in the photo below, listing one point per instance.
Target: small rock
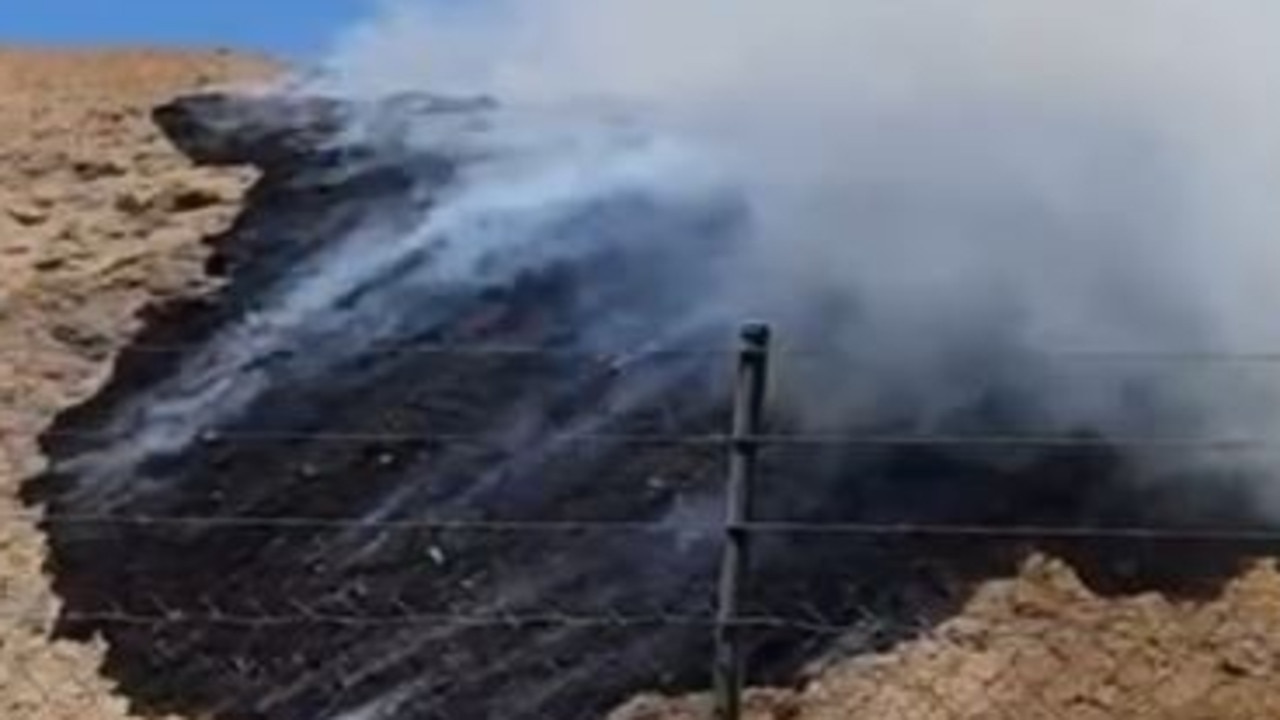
(50, 264)
(189, 198)
(28, 215)
(307, 471)
(657, 484)
(437, 555)
(84, 340)
(197, 199)
(98, 168)
(1234, 668)
(133, 202)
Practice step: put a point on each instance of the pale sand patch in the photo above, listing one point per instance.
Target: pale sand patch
(86, 239)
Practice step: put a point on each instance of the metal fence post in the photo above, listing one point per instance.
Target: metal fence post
(748, 417)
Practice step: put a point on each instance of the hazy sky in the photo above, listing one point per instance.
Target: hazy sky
(289, 27)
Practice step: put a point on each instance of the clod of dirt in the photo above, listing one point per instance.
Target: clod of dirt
(28, 215)
(185, 198)
(92, 169)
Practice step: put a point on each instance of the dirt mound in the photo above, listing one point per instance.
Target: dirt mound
(98, 216)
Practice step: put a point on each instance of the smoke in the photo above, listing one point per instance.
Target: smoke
(953, 198)
(963, 216)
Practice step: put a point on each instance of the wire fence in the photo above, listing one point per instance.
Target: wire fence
(866, 530)
(814, 625)
(727, 624)
(713, 440)
(1146, 356)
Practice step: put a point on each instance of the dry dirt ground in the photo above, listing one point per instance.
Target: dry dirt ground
(98, 216)
(1043, 647)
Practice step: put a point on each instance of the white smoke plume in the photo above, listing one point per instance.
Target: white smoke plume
(948, 196)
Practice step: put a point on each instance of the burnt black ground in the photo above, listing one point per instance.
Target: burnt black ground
(310, 663)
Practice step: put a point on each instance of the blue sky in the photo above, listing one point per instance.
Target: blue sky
(294, 28)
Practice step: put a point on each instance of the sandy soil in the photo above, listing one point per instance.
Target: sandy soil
(98, 216)
(1043, 647)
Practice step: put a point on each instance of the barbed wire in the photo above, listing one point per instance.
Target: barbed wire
(428, 349)
(509, 350)
(305, 616)
(909, 440)
(784, 527)
(298, 614)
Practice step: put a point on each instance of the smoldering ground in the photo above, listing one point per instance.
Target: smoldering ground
(976, 219)
(934, 180)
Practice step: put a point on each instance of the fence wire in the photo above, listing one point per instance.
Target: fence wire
(646, 527)
(854, 625)
(1084, 355)
(718, 440)
(830, 633)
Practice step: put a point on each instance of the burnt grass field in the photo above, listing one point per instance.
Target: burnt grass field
(338, 576)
